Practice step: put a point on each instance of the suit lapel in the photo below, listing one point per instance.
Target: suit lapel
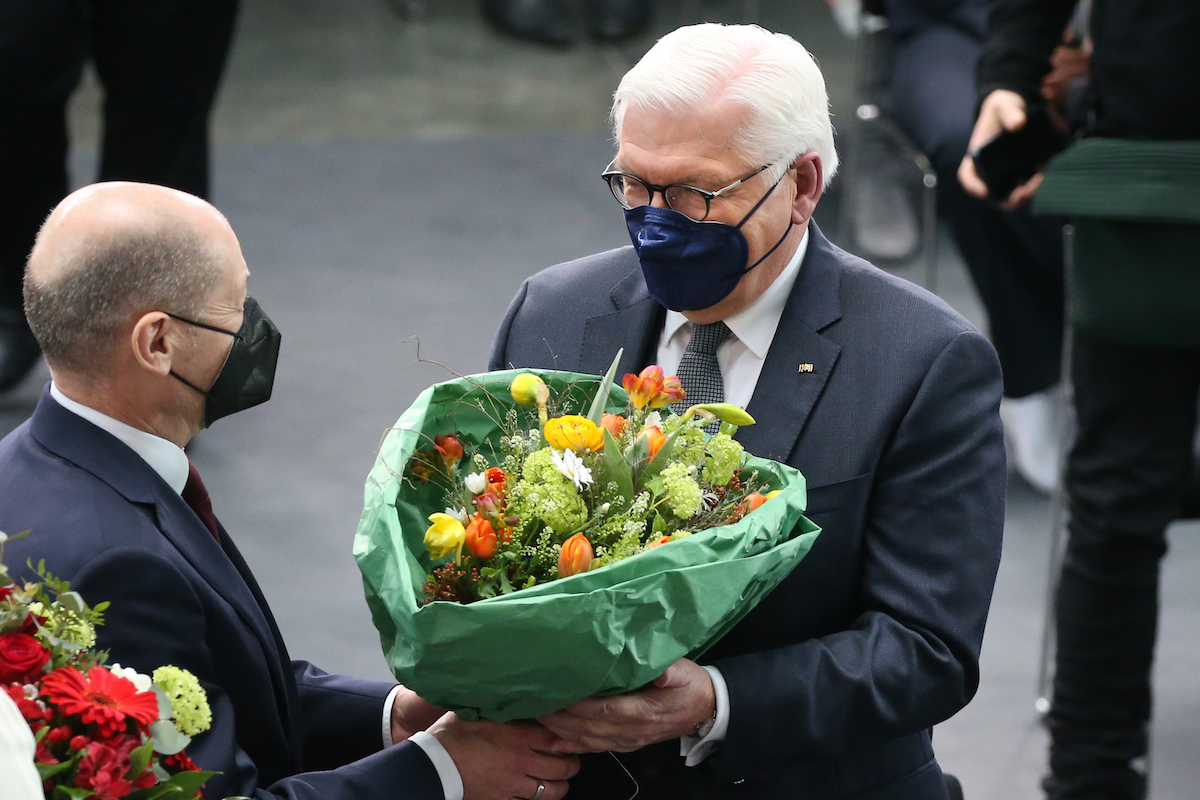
(634, 324)
(800, 359)
(113, 462)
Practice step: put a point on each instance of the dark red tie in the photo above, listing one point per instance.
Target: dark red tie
(196, 496)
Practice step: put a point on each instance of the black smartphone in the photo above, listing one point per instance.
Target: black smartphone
(1008, 160)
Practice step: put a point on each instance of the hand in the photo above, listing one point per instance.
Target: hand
(1002, 110)
(504, 761)
(411, 714)
(671, 706)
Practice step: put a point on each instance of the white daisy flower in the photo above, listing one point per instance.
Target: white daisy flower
(572, 466)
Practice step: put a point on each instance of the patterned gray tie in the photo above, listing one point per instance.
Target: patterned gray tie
(699, 371)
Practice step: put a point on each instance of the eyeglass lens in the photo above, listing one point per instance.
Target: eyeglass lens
(633, 193)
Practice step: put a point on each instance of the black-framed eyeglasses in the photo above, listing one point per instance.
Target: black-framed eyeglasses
(691, 201)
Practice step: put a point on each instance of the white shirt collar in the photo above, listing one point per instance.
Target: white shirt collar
(755, 324)
(164, 457)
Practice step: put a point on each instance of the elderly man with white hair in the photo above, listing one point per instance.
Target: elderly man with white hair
(881, 395)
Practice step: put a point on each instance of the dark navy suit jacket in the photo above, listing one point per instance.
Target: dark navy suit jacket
(837, 676)
(108, 523)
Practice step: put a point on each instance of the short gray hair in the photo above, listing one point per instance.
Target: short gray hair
(770, 74)
(79, 314)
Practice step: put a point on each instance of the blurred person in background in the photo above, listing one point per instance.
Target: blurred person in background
(1014, 258)
(159, 63)
(1135, 403)
(20, 780)
(553, 21)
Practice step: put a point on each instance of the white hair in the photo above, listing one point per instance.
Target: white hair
(770, 74)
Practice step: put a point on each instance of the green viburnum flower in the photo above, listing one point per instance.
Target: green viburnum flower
(189, 704)
(545, 493)
(724, 457)
(683, 493)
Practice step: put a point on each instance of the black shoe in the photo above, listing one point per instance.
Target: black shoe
(613, 20)
(19, 354)
(544, 21)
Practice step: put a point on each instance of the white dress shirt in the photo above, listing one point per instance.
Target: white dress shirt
(741, 357)
(171, 463)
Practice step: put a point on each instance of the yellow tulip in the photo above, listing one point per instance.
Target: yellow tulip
(445, 536)
(574, 432)
(528, 389)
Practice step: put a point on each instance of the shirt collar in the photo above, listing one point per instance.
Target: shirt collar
(755, 324)
(164, 457)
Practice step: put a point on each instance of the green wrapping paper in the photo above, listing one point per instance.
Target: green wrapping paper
(601, 632)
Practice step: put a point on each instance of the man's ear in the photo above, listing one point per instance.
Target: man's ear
(153, 348)
(810, 183)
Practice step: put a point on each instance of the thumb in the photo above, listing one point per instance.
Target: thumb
(1012, 116)
(675, 675)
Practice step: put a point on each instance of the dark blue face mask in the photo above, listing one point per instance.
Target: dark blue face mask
(691, 265)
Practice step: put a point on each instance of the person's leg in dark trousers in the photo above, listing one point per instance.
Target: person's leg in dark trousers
(1015, 259)
(1136, 410)
(160, 62)
(43, 44)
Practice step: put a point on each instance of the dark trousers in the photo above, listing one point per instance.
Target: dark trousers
(1015, 259)
(159, 62)
(1136, 409)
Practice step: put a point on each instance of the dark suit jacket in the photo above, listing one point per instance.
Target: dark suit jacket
(836, 677)
(105, 521)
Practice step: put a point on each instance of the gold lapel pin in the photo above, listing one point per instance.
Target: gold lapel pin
(806, 367)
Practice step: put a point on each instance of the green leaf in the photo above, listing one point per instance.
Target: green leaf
(70, 793)
(616, 468)
(660, 524)
(189, 783)
(600, 401)
(50, 770)
(661, 458)
(139, 758)
(505, 586)
(166, 738)
(72, 601)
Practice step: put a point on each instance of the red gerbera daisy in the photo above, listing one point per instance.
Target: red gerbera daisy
(100, 697)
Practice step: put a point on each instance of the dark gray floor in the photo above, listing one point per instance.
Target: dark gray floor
(393, 181)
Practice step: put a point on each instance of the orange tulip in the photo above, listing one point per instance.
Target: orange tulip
(659, 541)
(449, 447)
(575, 556)
(613, 424)
(754, 500)
(655, 439)
(481, 538)
(672, 392)
(643, 387)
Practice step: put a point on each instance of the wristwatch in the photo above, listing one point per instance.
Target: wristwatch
(704, 727)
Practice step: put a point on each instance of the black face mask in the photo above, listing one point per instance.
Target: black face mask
(246, 378)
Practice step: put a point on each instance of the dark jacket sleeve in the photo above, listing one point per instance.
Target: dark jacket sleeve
(1021, 36)
(931, 549)
(153, 609)
(343, 716)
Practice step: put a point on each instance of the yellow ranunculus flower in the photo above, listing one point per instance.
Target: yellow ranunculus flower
(574, 432)
(445, 536)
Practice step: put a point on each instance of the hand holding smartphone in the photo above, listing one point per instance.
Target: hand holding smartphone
(1012, 157)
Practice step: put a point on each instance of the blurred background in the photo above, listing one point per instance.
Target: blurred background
(394, 170)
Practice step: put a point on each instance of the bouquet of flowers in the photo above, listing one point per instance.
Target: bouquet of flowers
(532, 538)
(102, 732)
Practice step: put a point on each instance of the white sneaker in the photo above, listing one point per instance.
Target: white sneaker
(1032, 433)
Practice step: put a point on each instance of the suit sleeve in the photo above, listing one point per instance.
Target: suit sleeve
(146, 634)
(930, 552)
(498, 357)
(343, 716)
(1021, 36)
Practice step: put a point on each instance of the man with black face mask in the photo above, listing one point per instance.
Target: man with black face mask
(137, 295)
(885, 398)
